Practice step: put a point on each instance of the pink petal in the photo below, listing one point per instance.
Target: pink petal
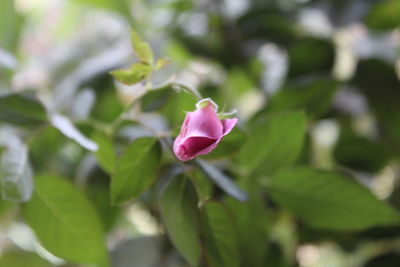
(228, 125)
(194, 146)
(202, 122)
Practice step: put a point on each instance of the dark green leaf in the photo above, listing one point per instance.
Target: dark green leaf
(136, 169)
(314, 98)
(178, 206)
(274, 143)
(221, 242)
(142, 49)
(329, 200)
(372, 74)
(310, 55)
(105, 154)
(22, 109)
(223, 181)
(136, 73)
(154, 99)
(252, 221)
(65, 222)
(358, 152)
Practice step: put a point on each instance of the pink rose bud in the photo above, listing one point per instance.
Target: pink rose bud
(201, 131)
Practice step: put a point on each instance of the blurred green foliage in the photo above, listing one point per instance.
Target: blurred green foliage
(93, 92)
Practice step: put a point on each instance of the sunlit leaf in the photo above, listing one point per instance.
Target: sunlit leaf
(329, 200)
(65, 222)
(178, 206)
(142, 49)
(66, 127)
(161, 63)
(136, 73)
(136, 169)
(105, 155)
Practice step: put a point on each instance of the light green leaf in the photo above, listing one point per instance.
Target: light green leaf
(65, 222)
(22, 109)
(330, 200)
(178, 206)
(22, 259)
(221, 242)
(142, 49)
(384, 15)
(105, 154)
(274, 143)
(136, 73)
(161, 63)
(10, 25)
(136, 169)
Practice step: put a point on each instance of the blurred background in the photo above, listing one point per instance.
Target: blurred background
(337, 60)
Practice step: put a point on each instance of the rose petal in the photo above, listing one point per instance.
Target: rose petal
(203, 122)
(228, 125)
(194, 146)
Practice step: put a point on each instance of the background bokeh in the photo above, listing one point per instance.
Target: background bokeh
(316, 87)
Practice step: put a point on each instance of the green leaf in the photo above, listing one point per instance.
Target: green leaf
(155, 99)
(22, 259)
(136, 73)
(161, 63)
(229, 146)
(142, 49)
(315, 98)
(330, 200)
(136, 169)
(121, 7)
(22, 109)
(384, 15)
(105, 154)
(178, 206)
(15, 169)
(221, 243)
(10, 25)
(252, 221)
(309, 55)
(372, 74)
(274, 143)
(223, 181)
(67, 128)
(65, 222)
(361, 153)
